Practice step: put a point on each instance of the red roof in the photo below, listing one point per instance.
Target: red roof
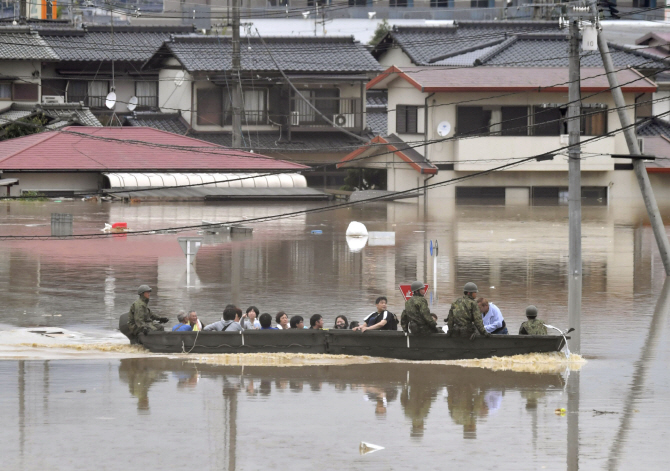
(127, 149)
(508, 79)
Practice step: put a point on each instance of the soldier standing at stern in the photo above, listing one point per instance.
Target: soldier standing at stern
(416, 317)
(464, 318)
(140, 318)
(533, 326)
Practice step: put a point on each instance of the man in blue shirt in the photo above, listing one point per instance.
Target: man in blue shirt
(183, 325)
(492, 317)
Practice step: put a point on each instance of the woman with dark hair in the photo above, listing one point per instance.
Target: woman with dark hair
(297, 322)
(341, 322)
(282, 320)
(250, 319)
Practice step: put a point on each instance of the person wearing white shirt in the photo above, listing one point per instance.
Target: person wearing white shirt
(492, 317)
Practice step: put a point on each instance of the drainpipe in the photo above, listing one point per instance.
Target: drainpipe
(425, 126)
(192, 102)
(425, 215)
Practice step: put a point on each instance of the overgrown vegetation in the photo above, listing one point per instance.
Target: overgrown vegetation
(381, 30)
(32, 125)
(30, 196)
(364, 179)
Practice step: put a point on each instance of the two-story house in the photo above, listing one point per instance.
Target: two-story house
(195, 82)
(499, 104)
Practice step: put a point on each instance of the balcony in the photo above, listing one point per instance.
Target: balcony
(345, 112)
(469, 151)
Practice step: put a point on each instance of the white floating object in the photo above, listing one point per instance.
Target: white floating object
(381, 238)
(107, 228)
(366, 448)
(356, 229)
(356, 244)
(493, 287)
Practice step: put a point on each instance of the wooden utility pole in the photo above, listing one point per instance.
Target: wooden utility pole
(574, 189)
(237, 85)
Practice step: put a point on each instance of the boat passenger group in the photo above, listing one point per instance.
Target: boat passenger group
(469, 316)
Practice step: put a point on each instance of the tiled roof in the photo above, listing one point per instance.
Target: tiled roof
(126, 149)
(376, 99)
(552, 51)
(299, 143)
(391, 143)
(512, 79)
(170, 122)
(425, 43)
(24, 46)
(654, 127)
(293, 54)
(377, 121)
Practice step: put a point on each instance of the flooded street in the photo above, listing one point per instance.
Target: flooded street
(124, 409)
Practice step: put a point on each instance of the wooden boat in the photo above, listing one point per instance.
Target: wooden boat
(384, 344)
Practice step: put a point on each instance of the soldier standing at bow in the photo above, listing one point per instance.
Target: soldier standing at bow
(464, 318)
(140, 317)
(416, 317)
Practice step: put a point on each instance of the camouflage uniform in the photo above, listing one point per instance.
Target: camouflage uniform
(533, 327)
(464, 318)
(140, 316)
(416, 316)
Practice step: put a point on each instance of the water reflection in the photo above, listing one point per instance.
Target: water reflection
(140, 374)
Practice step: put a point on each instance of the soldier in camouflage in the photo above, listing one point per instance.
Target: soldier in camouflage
(464, 318)
(416, 317)
(533, 326)
(140, 318)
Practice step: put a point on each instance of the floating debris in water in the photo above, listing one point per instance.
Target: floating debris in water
(529, 363)
(560, 412)
(603, 412)
(365, 448)
(282, 359)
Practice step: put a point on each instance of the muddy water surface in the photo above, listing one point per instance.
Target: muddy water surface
(93, 408)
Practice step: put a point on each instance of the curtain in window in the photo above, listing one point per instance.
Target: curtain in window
(254, 106)
(97, 92)
(5, 91)
(146, 89)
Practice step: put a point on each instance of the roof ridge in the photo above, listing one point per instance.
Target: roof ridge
(634, 51)
(494, 42)
(496, 50)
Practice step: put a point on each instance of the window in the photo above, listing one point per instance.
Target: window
(77, 91)
(479, 3)
(406, 119)
(278, 3)
(398, 3)
(54, 87)
(5, 91)
(311, 3)
(439, 3)
(594, 122)
(326, 100)
(26, 92)
(514, 120)
(358, 3)
(642, 4)
(147, 94)
(210, 106)
(254, 107)
(472, 120)
(97, 93)
(547, 121)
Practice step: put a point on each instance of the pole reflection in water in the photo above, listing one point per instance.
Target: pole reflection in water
(637, 388)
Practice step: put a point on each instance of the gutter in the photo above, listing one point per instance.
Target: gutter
(425, 127)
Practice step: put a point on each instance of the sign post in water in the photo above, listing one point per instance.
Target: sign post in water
(190, 247)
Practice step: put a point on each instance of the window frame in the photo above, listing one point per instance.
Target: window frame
(36, 91)
(211, 92)
(139, 98)
(11, 91)
(402, 112)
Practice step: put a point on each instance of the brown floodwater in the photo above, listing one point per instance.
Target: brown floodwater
(110, 411)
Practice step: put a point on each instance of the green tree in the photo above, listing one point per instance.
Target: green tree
(364, 179)
(381, 30)
(24, 126)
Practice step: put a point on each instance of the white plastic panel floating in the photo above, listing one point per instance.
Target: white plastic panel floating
(218, 180)
(357, 229)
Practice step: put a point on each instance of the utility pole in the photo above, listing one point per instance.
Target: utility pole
(574, 189)
(23, 11)
(634, 150)
(237, 85)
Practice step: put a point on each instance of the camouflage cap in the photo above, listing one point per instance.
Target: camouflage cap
(531, 311)
(143, 289)
(417, 285)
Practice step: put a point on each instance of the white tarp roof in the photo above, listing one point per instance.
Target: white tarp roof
(216, 180)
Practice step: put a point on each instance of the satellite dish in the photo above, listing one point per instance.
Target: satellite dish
(444, 128)
(179, 78)
(110, 101)
(132, 103)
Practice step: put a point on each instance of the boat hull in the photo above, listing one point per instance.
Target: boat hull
(375, 344)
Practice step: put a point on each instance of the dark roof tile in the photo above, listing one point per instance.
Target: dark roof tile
(25, 46)
(654, 127)
(170, 122)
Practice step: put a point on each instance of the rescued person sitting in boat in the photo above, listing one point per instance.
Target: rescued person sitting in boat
(266, 321)
(341, 322)
(354, 325)
(416, 318)
(230, 322)
(297, 322)
(250, 319)
(464, 319)
(533, 326)
(381, 319)
(282, 321)
(183, 325)
(194, 322)
(493, 318)
(316, 322)
(140, 317)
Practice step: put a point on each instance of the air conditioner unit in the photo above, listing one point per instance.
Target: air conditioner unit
(345, 120)
(52, 99)
(640, 144)
(295, 118)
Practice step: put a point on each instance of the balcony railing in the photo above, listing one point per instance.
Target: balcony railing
(345, 112)
(147, 101)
